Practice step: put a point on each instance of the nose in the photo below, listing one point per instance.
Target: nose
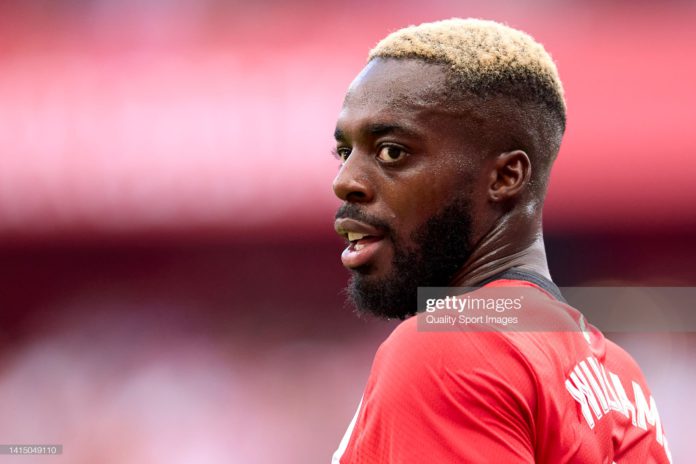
(352, 182)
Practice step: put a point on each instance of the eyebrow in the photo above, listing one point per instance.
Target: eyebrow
(378, 129)
(339, 135)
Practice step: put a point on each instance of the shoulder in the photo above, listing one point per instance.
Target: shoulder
(456, 383)
(535, 323)
(436, 362)
(483, 354)
(620, 361)
(418, 342)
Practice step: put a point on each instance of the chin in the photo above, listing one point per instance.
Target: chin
(373, 295)
(371, 272)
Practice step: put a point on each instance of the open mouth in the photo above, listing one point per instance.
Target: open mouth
(364, 241)
(361, 250)
(359, 241)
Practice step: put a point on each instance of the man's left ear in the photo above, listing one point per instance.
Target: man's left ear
(510, 173)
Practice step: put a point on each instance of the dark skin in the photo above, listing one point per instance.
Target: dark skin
(407, 150)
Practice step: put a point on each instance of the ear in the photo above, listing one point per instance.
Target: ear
(509, 175)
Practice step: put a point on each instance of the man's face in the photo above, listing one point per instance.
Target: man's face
(407, 182)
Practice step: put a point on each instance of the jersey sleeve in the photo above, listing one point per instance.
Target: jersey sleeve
(445, 397)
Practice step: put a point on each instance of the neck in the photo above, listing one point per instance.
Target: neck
(501, 249)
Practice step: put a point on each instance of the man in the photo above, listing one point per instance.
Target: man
(446, 139)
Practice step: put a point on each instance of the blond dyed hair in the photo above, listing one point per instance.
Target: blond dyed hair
(485, 58)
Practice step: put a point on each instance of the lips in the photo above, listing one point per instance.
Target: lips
(365, 241)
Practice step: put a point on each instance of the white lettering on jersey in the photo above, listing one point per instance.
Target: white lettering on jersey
(595, 387)
(626, 406)
(645, 412)
(591, 388)
(609, 394)
(581, 392)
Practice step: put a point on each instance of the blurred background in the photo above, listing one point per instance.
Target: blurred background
(170, 284)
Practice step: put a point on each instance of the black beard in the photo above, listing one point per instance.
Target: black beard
(442, 246)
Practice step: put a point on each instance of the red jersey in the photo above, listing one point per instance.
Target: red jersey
(566, 396)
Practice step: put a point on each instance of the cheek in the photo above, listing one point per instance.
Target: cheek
(411, 209)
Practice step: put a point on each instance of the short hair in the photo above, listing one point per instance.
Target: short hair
(487, 57)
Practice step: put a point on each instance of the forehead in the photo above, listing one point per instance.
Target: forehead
(389, 89)
(398, 81)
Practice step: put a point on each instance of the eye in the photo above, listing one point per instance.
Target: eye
(342, 153)
(391, 154)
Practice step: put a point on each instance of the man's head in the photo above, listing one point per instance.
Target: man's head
(449, 130)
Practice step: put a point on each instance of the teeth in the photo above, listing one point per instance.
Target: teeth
(358, 247)
(352, 236)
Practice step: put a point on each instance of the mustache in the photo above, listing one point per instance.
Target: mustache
(353, 211)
